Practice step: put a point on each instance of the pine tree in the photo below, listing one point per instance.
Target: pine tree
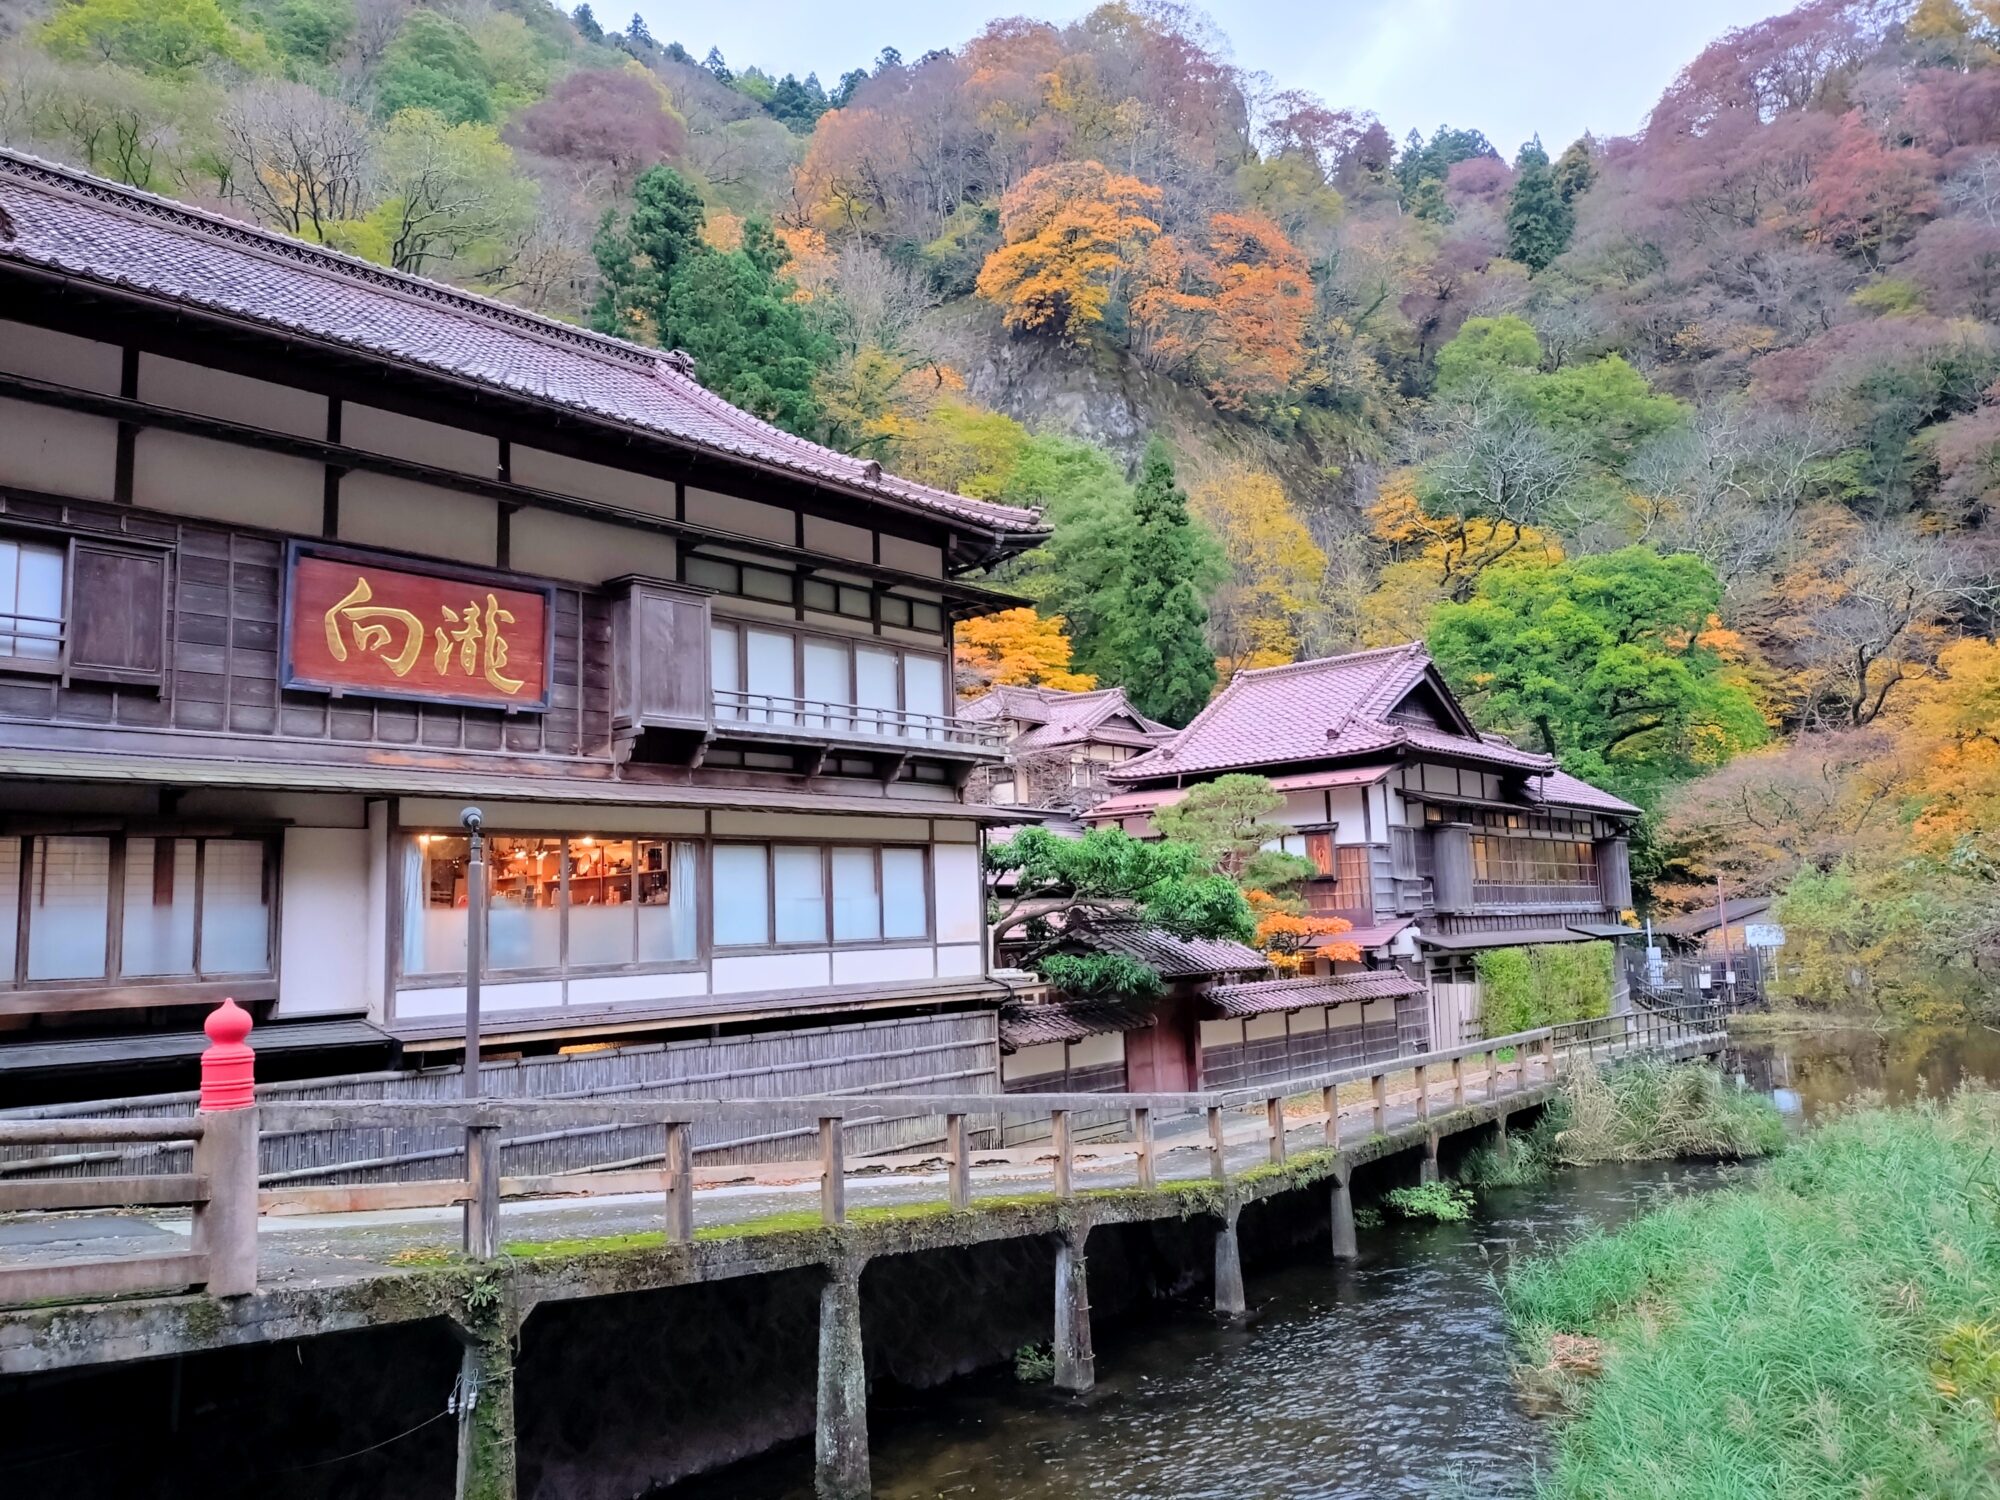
(716, 66)
(640, 36)
(586, 24)
(1168, 671)
(731, 310)
(1576, 169)
(1539, 221)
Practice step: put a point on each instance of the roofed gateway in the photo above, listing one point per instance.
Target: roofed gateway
(304, 555)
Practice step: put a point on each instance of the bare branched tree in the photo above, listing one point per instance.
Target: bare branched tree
(298, 159)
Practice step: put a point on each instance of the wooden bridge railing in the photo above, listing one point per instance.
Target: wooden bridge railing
(224, 1194)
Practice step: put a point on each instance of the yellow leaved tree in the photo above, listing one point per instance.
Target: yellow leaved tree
(1071, 233)
(1016, 648)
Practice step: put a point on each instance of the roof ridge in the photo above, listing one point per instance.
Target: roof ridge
(1321, 662)
(187, 217)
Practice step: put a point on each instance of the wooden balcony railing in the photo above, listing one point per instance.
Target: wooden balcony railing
(776, 716)
(1566, 895)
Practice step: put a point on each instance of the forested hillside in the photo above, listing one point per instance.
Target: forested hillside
(1679, 449)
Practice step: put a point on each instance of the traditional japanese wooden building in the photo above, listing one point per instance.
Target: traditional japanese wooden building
(300, 556)
(1433, 840)
(1060, 745)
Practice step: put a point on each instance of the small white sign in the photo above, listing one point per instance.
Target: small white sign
(1763, 935)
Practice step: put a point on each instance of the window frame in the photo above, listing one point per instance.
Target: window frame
(20, 994)
(829, 942)
(807, 719)
(565, 968)
(57, 665)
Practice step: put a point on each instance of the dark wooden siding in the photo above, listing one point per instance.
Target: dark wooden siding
(224, 641)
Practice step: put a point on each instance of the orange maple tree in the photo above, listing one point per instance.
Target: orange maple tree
(1071, 233)
(1234, 313)
(1284, 936)
(1017, 648)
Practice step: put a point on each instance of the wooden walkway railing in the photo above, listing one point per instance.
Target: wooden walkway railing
(224, 1194)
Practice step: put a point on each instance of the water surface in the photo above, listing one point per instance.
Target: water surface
(1389, 1378)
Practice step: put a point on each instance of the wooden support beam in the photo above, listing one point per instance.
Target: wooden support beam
(60, 1194)
(1218, 1146)
(482, 1202)
(1330, 1101)
(1274, 1126)
(1380, 1085)
(832, 1172)
(680, 1184)
(1142, 1134)
(225, 1222)
(1065, 1164)
(1423, 1092)
(1492, 1075)
(122, 1276)
(1458, 1083)
(960, 1166)
(1075, 1359)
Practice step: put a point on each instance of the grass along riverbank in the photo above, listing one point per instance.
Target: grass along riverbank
(1644, 1110)
(1830, 1328)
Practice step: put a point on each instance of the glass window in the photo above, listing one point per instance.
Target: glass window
(762, 583)
(742, 895)
(799, 875)
(523, 916)
(767, 663)
(235, 907)
(819, 594)
(434, 903)
(712, 573)
(601, 921)
(158, 933)
(854, 602)
(31, 600)
(725, 666)
(69, 908)
(905, 907)
(925, 615)
(669, 894)
(923, 693)
(10, 894)
(826, 673)
(857, 898)
(895, 611)
(875, 687)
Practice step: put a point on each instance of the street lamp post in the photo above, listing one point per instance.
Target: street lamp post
(475, 942)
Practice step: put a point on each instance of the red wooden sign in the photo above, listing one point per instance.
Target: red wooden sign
(358, 624)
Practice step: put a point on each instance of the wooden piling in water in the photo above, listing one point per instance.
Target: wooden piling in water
(1075, 1361)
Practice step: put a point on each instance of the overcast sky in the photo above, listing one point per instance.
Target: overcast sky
(1511, 68)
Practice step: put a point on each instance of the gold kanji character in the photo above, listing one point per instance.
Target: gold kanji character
(480, 646)
(496, 647)
(466, 638)
(370, 634)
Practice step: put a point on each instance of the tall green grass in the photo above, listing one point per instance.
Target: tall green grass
(1830, 1329)
(1643, 1110)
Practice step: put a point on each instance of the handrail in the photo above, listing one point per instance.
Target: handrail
(783, 711)
(223, 1188)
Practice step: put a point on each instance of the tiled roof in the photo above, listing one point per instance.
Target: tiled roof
(1066, 1021)
(1317, 710)
(1703, 918)
(1059, 718)
(1560, 789)
(1174, 957)
(1361, 937)
(1295, 994)
(84, 227)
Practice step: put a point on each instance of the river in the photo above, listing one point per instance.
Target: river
(1389, 1378)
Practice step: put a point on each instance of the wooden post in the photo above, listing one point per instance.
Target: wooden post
(1549, 1057)
(484, 1405)
(680, 1184)
(1076, 1363)
(961, 1163)
(1065, 1158)
(482, 1202)
(832, 1172)
(1330, 1099)
(1492, 1074)
(1458, 1083)
(840, 1434)
(225, 1226)
(1274, 1121)
(1142, 1133)
(1218, 1164)
(1380, 1083)
(1423, 1091)
(1229, 1299)
(1346, 1246)
(1428, 1172)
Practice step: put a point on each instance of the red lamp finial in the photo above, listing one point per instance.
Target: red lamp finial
(229, 1065)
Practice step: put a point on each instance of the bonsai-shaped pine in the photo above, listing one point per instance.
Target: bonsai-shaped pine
(1046, 893)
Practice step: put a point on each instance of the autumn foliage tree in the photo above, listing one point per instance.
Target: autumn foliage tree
(1071, 234)
(1233, 312)
(1016, 648)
